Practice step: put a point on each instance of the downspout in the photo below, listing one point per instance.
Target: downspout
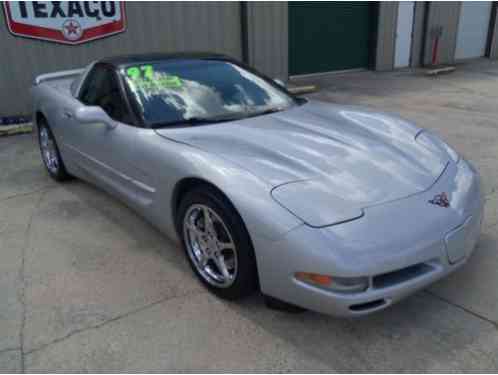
(244, 37)
(491, 30)
(423, 51)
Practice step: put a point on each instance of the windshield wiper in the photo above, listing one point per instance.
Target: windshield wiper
(193, 121)
(265, 111)
(270, 110)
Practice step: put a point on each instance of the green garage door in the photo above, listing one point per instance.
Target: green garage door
(327, 36)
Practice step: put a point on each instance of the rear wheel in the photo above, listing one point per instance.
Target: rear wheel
(50, 153)
(217, 244)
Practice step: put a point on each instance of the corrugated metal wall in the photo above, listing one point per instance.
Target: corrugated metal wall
(386, 36)
(174, 26)
(267, 27)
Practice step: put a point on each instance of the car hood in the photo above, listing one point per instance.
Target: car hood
(363, 157)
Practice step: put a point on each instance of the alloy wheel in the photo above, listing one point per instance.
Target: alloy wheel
(210, 245)
(49, 151)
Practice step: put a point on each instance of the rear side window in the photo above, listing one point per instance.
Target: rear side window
(101, 88)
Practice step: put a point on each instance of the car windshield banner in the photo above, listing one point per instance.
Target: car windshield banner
(68, 22)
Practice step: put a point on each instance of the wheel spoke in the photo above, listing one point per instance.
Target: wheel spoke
(230, 263)
(220, 263)
(203, 259)
(49, 150)
(226, 245)
(192, 228)
(208, 221)
(43, 137)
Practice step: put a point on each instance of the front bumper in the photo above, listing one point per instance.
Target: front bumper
(402, 247)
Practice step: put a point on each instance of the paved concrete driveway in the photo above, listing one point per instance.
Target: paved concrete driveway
(85, 284)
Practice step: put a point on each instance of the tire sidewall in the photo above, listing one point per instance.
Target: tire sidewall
(246, 278)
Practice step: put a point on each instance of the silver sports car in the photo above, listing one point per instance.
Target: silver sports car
(333, 208)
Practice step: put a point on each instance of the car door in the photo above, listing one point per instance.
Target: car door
(107, 151)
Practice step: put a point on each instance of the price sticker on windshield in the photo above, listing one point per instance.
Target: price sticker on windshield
(145, 78)
(143, 71)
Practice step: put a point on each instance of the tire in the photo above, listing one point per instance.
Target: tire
(240, 263)
(50, 153)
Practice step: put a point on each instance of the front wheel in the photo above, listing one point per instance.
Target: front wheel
(217, 244)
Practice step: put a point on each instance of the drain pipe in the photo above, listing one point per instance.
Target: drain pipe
(436, 33)
(244, 31)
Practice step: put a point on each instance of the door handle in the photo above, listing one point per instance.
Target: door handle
(67, 114)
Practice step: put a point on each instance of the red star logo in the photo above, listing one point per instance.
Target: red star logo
(72, 28)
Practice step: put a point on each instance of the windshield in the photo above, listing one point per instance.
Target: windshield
(187, 91)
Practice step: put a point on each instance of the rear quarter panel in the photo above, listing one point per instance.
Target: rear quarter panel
(51, 103)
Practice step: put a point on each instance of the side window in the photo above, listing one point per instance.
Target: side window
(101, 88)
(92, 85)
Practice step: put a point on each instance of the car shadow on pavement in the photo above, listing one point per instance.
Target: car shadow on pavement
(421, 333)
(116, 212)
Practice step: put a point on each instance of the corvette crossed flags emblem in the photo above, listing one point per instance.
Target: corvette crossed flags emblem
(441, 200)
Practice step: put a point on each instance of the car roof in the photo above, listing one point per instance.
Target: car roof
(123, 60)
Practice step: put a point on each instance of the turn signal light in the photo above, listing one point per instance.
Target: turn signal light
(314, 278)
(343, 285)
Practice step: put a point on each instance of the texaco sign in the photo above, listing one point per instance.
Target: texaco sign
(69, 22)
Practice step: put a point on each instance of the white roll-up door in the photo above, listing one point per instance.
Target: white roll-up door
(473, 29)
(404, 31)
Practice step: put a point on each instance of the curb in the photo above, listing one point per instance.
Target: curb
(8, 130)
(439, 70)
(300, 90)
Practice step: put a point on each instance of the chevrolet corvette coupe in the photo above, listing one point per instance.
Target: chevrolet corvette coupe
(338, 209)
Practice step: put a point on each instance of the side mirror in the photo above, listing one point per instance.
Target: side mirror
(88, 114)
(279, 82)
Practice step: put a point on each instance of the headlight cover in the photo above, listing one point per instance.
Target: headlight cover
(434, 142)
(314, 203)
